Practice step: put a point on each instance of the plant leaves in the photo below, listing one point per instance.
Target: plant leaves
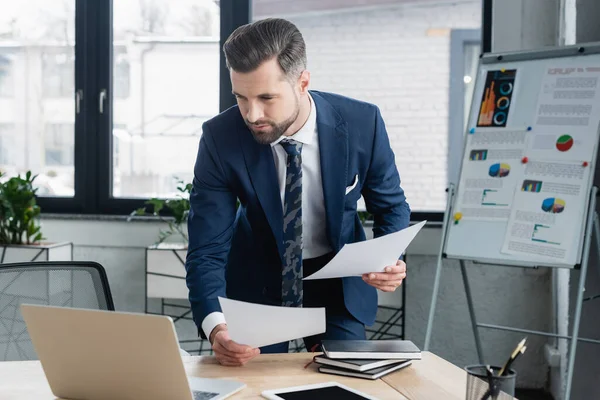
(18, 210)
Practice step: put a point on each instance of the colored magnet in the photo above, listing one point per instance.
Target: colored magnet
(585, 164)
(472, 130)
(503, 70)
(524, 160)
(528, 128)
(457, 217)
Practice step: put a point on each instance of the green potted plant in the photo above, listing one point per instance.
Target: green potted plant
(20, 230)
(177, 208)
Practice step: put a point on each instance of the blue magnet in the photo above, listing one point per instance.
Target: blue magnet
(472, 130)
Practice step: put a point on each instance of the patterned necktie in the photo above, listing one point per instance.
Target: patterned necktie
(291, 284)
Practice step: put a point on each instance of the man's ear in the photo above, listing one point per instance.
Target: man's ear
(304, 81)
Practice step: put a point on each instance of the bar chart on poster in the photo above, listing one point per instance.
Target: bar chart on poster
(528, 162)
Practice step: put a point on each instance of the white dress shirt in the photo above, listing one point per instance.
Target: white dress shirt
(314, 236)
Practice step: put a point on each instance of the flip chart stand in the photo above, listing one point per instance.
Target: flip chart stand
(592, 227)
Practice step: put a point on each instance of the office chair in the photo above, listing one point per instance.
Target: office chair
(57, 283)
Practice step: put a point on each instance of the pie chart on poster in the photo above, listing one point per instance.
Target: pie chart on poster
(553, 205)
(499, 170)
(564, 143)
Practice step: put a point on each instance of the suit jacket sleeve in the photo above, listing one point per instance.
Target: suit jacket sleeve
(210, 227)
(382, 192)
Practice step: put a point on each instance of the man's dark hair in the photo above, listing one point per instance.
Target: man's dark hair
(252, 44)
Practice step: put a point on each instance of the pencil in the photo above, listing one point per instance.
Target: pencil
(518, 350)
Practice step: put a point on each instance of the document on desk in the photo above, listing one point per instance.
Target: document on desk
(373, 255)
(257, 325)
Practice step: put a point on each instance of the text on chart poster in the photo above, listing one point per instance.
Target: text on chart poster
(567, 115)
(547, 210)
(491, 170)
(496, 99)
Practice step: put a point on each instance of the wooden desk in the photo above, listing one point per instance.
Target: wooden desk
(429, 379)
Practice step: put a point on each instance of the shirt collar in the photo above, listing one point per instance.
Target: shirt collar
(306, 134)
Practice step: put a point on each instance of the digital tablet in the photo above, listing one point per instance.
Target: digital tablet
(319, 391)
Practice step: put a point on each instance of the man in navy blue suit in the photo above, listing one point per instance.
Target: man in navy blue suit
(298, 161)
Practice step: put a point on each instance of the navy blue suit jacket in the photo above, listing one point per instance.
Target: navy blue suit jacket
(239, 255)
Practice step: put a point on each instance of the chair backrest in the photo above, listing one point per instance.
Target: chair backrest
(57, 283)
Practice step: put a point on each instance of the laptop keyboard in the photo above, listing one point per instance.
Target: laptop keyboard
(198, 395)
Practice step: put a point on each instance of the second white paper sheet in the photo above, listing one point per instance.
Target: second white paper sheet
(373, 255)
(257, 325)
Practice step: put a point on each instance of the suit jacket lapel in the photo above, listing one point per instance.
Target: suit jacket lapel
(261, 168)
(333, 149)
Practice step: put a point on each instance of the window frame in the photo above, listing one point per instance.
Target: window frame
(93, 158)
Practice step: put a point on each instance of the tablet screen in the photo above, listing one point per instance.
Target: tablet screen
(324, 393)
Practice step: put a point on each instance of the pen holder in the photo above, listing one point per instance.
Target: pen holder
(480, 386)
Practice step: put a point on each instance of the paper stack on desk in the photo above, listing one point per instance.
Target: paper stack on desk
(368, 359)
(366, 369)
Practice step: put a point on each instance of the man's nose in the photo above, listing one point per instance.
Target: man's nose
(254, 114)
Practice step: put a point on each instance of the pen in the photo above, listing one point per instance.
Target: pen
(490, 377)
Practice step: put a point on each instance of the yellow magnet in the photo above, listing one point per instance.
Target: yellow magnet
(457, 217)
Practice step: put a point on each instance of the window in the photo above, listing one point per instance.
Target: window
(37, 78)
(7, 145)
(177, 89)
(104, 100)
(58, 72)
(121, 72)
(7, 85)
(59, 144)
(394, 54)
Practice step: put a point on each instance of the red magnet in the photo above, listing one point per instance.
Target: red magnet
(524, 160)
(585, 163)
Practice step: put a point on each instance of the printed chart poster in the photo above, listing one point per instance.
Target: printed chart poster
(491, 171)
(567, 115)
(548, 205)
(497, 98)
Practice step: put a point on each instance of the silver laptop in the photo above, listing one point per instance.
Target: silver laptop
(91, 354)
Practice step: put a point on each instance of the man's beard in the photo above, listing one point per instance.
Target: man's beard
(276, 131)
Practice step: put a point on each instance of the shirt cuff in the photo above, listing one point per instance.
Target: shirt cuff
(211, 321)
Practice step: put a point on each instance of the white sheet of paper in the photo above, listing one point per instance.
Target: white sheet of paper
(373, 255)
(257, 325)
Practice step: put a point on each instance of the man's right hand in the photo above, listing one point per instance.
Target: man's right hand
(227, 351)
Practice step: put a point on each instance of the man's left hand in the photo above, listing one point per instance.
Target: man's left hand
(389, 280)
